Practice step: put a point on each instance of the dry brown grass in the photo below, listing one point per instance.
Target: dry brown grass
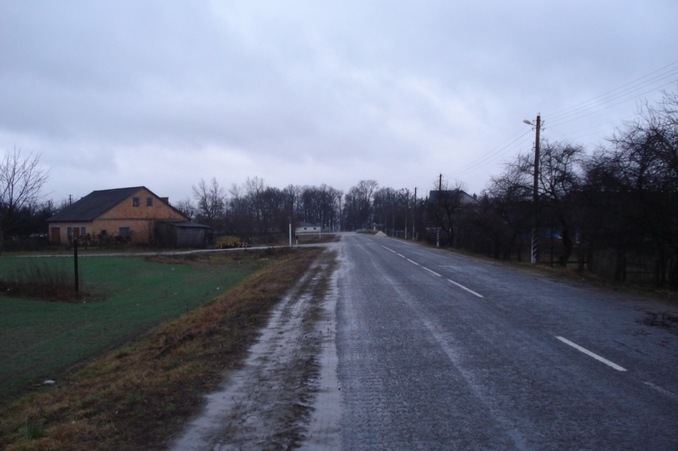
(137, 397)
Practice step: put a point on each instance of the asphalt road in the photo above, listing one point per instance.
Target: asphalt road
(431, 350)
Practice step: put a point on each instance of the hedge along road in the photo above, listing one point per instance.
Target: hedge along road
(432, 350)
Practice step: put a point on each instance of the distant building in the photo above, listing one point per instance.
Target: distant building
(134, 215)
(457, 196)
(305, 228)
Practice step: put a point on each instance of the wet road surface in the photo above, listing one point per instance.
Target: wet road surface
(431, 350)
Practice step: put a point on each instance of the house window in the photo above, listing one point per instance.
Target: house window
(135, 201)
(149, 201)
(123, 231)
(83, 231)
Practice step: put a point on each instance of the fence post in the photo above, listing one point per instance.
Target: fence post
(75, 262)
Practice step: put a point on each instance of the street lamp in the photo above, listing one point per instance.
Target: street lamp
(535, 190)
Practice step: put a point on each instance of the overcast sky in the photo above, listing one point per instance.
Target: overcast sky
(166, 93)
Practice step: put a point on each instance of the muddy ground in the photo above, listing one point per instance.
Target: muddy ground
(268, 403)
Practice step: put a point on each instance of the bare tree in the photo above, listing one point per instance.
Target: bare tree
(211, 202)
(186, 208)
(560, 180)
(634, 185)
(358, 214)
(507, 211)
(445, 205)
(558, 184)
(21, 180)
(254, 188)
(385, 206)
(239, 220)
(319, 205)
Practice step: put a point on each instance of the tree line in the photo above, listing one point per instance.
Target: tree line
(613, 209)
(254, 209)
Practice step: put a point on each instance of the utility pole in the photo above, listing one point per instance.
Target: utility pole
(440, 196)
(535, 197)
(414, 213)
(407, 207)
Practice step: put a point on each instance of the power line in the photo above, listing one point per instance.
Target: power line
(587, 108)
(617, 96)
(593, 129)
(635, 85)
(581, 115)
(492, 154)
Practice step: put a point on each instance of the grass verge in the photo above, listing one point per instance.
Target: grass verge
(138, 396)
(123, 298)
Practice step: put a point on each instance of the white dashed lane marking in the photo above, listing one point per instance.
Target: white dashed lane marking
(433, 272)
(591, 354)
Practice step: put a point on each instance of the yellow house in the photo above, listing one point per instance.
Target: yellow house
(128, 214)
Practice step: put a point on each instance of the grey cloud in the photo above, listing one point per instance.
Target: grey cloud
(399, 87)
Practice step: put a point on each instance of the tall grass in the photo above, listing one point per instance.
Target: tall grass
(41, 280)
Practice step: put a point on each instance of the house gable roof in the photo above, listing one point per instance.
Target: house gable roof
(454, 195)
(95, 204)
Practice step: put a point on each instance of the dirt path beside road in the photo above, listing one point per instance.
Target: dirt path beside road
(268, 403)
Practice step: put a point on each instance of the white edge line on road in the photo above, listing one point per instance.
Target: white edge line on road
(401, 255)
(413, 262)
(591, 354)
(390, 250)
(464, 288)
(662, 390)
(431, 271)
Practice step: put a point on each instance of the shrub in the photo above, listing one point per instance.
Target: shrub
(40, 280)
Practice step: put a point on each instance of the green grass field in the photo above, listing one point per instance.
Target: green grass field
(126, 297)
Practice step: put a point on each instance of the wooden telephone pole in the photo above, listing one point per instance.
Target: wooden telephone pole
(440, 196)
(414, 214)
(535, 196)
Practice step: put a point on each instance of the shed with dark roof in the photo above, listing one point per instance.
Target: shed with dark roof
(128, 214)
(182, 234)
